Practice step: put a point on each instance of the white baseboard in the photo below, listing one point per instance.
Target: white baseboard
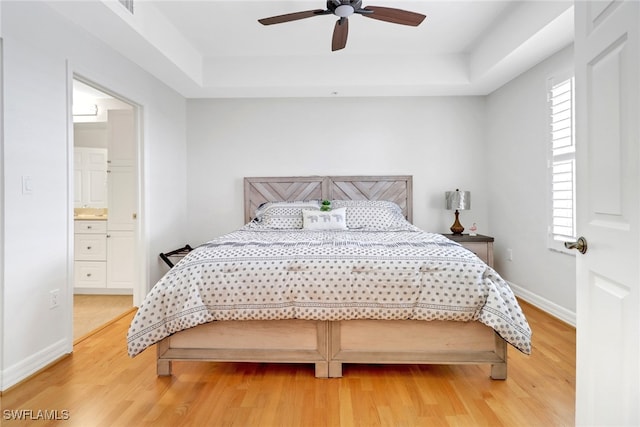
(552, 308)
(31, 365)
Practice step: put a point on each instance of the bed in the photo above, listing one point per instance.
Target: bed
(291, 286)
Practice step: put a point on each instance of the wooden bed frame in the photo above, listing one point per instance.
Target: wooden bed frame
(330, 344)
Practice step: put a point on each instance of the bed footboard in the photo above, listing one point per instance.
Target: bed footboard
(328, 345)
(415, 342)
(273, 341)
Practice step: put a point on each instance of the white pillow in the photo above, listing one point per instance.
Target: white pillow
(373, 215)
(335, 219)
(392, 206)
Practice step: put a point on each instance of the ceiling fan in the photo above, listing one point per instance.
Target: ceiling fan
(343, 9)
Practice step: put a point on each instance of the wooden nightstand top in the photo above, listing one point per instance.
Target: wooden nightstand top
(466, 238)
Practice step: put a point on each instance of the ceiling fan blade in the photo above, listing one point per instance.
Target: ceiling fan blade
(396, 16)
(292, 16)
(340, 33)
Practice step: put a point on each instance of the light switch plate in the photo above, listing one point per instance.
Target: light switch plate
(27, 184)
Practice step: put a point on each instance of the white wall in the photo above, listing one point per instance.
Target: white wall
(40, 52)
(2, 204)
(437, 140)
(517, 154)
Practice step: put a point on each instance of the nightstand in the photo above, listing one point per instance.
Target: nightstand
(479, 245)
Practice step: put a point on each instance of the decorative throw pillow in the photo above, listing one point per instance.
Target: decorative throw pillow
(334, 219)
(283, 215)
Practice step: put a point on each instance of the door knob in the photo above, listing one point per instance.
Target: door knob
(579, 245)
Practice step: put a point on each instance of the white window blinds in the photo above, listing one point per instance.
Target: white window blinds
(562, 163)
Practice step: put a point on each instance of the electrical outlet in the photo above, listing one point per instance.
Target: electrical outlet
(509, 254)
(54, 298)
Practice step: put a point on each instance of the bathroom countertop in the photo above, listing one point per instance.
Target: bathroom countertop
(90, 214)
(89, 217)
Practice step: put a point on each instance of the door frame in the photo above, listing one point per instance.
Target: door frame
(141, 249)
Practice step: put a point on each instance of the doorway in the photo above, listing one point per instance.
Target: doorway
(105, 201)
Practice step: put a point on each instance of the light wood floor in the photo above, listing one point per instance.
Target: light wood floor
(99, 385)
(91, 312)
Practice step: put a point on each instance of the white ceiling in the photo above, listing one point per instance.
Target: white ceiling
(216, 48)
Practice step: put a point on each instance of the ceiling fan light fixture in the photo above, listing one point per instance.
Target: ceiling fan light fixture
(344, 11)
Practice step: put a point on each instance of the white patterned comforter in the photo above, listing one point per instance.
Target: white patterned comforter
(254, 274)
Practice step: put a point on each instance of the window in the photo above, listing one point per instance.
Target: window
(562, 171)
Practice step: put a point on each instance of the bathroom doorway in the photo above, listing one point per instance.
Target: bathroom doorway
(105, 207)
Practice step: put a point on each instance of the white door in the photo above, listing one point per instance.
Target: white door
(122, 197)
(121, 137)
(608, 274)
(95, 177)
(90, 177)
(121, 258)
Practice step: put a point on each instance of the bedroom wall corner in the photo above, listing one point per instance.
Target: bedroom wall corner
(517, 148)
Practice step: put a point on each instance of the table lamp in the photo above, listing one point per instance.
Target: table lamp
(458, 201)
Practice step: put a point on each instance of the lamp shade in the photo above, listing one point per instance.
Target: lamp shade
(458, 200)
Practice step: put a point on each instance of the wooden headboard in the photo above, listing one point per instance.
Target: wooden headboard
(396, 188)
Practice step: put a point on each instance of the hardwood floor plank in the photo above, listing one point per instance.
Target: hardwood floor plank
(99, 385)
(91, 312)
